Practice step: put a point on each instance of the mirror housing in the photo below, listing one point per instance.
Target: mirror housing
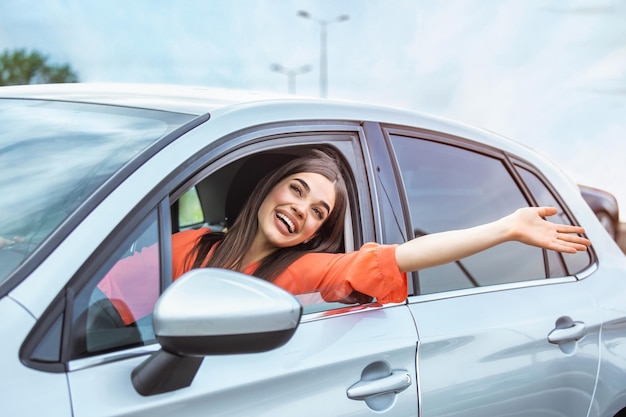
(212, 311)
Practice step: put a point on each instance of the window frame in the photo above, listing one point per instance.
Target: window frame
(346, 139)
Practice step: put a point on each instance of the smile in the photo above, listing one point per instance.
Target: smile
(288, 223)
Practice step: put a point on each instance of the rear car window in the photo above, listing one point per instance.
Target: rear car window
(449, 187)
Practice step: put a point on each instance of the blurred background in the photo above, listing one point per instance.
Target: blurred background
(550, 74)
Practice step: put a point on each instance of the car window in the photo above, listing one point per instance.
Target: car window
(560, 264)
(55, 155)
(449, 187)
(114, 308)
(223, 191)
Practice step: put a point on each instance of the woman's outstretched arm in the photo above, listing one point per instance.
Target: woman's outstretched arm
(526, 225)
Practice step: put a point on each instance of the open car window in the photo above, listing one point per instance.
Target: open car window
(218, 197)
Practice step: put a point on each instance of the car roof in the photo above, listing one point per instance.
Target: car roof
(255, 105)
(174, 98)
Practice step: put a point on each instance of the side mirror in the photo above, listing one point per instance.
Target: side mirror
(212, 311)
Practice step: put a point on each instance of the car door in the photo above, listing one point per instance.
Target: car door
(508, 331)
(342, 359)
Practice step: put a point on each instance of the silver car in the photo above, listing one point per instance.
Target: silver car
(92, 174)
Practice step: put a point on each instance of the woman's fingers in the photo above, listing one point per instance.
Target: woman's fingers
(546, 211)
(575, 240)
(571, 235)
(568, 238)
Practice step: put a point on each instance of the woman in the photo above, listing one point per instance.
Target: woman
(292, 225)
(290, 228)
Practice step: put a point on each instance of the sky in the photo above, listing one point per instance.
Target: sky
(550, 74)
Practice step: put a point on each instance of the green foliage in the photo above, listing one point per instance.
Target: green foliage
(190, 209)
(21, 67)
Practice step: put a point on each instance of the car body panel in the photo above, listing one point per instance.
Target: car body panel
(25, 391)
(493, 369)
(607, 288)
(308, 376)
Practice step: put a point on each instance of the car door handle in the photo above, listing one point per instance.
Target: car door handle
(396, 382)
(575, 331)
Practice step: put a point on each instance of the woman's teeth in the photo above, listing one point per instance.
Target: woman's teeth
(287, 222)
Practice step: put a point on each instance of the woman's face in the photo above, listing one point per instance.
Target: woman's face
(295, 209)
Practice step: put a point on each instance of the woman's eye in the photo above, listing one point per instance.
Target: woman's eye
(319, 213)
(296, 189)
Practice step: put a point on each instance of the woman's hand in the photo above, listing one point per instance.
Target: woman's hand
(526, 225)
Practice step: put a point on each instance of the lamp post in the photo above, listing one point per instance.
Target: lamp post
(323, 40)
(291, 74)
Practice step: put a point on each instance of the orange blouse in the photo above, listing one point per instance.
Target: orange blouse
(371, 270)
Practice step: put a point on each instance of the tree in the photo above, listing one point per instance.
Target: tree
(21, 67)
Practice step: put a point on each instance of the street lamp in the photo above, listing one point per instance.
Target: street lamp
(323, 40)
(291, 74)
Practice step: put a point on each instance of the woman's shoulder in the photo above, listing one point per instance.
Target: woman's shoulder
(188, 236)
(193, 232)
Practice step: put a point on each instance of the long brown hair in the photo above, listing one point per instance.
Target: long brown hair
(234, 244)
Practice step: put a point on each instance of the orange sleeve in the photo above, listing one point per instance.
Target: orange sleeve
(182, 244)
(372, 270)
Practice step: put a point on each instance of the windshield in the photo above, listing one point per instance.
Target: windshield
(54, 155)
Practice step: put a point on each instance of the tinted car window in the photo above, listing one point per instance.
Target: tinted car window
(449, 187)
(54, 155)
